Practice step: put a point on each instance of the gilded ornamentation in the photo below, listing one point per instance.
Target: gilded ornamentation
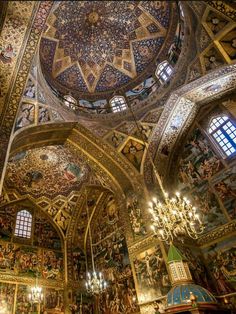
(24, 10)
(133, 151)
(68, 62)
(135, 215)
(152, 277)
(217, 233)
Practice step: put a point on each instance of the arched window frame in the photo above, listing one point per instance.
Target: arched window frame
(118, 104)
(70, 102)
(164, 72)
(224, 137)
(23, 224)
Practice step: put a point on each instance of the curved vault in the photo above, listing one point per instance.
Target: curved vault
(109, 170)
(105, 46)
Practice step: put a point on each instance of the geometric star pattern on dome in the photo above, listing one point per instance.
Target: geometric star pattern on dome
(96, 46)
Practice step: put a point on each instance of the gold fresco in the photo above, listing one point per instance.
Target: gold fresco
(113, 156)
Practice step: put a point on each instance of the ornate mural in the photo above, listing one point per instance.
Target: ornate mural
(151, 273)
(47, 171)
(198, 165)
(7, 293)
(220, 260)
(113, 46)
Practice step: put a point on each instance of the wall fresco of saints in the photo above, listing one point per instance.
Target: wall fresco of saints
(207, 181)
(7, 221)
(52, 301)
(23, 306)
(19, 257)
(45, 235)
(7, 292)
(28, 261)
(151, 274)
(111, 257)
(220, 259)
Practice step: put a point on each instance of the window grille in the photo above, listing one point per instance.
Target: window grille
(164, 71)
(224, 133)
(118, 104)
(23, 224)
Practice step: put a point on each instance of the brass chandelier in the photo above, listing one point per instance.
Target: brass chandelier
(36, 294)
(175, 217)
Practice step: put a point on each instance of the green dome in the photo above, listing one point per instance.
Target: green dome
(179, 295)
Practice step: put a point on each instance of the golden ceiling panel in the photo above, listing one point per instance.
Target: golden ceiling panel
(94, 36)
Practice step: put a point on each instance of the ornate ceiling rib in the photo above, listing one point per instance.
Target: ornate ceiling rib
(27, 44)
(179, 112)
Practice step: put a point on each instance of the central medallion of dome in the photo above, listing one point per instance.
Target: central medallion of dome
(93, 17)
(95, 47)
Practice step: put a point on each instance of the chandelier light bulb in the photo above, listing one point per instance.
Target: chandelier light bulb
(176, 216)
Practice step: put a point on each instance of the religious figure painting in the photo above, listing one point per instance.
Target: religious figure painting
(199, 175)
(45, 235)
(23, 306)
(198, 162)
(28, 261)
(79, 266)
(7, 54)
(7, 292)
(53, 301)
(115, 139)
(63, 219)
(135, 215)
(7, 219)
(151, 274)
(43, 115)
(30, 89)
(52, 265)
(221, 262)
(72, 172)
(120, 297)
(209, 208)
(225, 187)
(133, 151)
(143, 90)
(197, 266)
(19, 260)
(25, 116)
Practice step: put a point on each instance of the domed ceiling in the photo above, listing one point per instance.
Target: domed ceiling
(92, 48)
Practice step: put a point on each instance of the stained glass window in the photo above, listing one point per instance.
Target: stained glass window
(224, 132)
(118, 103)
(164, 71)
(23, 224)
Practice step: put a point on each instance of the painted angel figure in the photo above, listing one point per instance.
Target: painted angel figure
(7, 54)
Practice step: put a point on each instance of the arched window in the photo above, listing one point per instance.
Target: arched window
(224, 133)
(118, 103)
(164, 71)
(70, 102)
(23, 224)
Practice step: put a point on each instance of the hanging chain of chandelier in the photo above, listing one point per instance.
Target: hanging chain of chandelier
(175, 217)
